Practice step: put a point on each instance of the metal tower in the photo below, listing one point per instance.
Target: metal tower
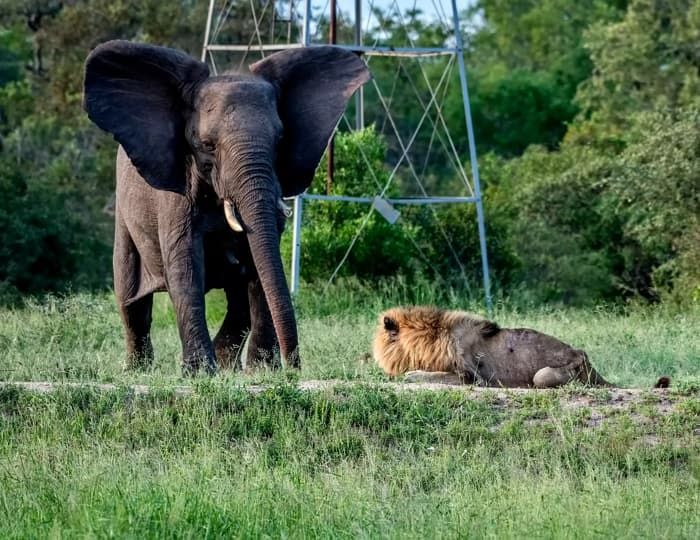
(289, 24)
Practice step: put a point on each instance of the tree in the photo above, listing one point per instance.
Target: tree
(647, 61)
(526, 62)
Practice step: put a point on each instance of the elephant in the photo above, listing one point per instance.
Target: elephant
(202, 166)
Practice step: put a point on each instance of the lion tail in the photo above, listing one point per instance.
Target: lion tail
(663, 382)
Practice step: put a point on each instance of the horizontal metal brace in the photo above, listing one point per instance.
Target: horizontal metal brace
(410, 200)
(365, 50)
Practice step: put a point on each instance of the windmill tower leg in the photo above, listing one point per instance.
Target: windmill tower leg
(472, 158)
(207, 30)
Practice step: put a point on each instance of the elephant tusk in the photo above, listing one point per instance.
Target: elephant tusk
(231, 218)
(284, 208)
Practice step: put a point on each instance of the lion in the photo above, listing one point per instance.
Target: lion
(455, 347)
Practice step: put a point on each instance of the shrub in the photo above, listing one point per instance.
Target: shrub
(657, 191)
(329, 227)
(52, 233)
(435, 242)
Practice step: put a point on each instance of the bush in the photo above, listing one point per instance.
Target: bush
(329, 227)
(434, 242)
(585, 226)
(52, 233)
(657, 190)
(556, 225)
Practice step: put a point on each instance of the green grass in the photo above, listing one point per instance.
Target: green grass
(79, 337)
(355, 461)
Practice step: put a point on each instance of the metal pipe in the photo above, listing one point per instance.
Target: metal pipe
(333, 23)
(359, 94)
(405, 201)
(306, 36)
(207, 30)
(296, 243)
(272, 21)
(473, 158)
(331, 146)
(298, 200)
(363, 49)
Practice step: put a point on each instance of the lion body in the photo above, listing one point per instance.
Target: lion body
(432, 341)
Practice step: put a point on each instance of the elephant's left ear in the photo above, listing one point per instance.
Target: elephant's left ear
(314, 85)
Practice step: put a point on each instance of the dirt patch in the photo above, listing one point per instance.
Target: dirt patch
(571, 398)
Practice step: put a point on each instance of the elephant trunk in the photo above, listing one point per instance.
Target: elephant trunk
(256, 202)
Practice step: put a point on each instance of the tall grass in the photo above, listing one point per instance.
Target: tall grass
(79, 337)
(353, 462)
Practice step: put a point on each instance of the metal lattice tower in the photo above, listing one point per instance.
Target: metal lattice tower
(239, 32)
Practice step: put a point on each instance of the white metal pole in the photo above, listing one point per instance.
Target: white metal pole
(306, 37)
(296, 243)
(207, 30)
(359, 94)
(299, 199)
(472, 157)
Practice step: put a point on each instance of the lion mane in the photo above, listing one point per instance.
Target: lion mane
(425, 338)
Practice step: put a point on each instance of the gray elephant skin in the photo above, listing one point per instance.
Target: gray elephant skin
(201, 169)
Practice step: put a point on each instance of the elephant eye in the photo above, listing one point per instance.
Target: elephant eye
(207, 146)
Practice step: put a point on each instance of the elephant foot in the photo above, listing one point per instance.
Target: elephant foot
(263, 351)
(261, 358)
(139, 356)
(228, 357)
(193, 362)
(228, 352)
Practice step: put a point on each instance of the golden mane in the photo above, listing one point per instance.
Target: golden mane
(420, 338)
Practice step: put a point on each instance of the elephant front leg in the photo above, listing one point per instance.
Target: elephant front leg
(184, 274)
(263, 341)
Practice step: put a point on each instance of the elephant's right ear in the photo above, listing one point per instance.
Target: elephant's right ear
(314, 84)
(138, 93)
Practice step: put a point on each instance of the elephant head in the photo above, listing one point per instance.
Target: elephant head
(252, 137)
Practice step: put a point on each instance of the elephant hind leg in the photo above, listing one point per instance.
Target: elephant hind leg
(137, 317)
(135, 314)
(229, 339)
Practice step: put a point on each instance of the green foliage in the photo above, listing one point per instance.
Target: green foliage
(526, 62)
(329, 227)
(564, 241)
(14, 51)
(585, 225)
(657, 192)
(52, 234)
(514, 108)
(439, 242)
(647, 61)
(541, 34)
